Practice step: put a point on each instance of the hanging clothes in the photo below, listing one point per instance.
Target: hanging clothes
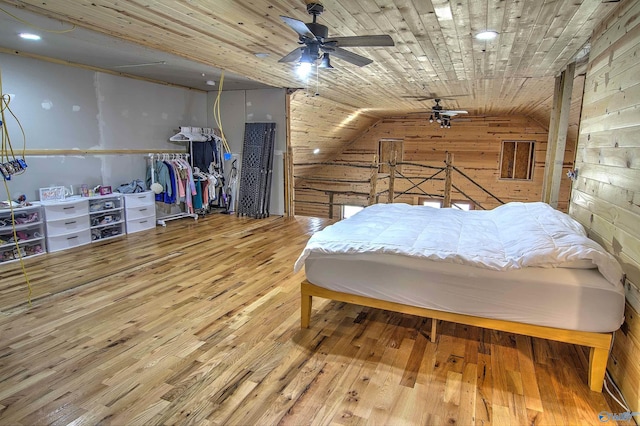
(162, 177)
(197, 198)
(171, 174)
(170, 196)
(207, 155)
(203, 153)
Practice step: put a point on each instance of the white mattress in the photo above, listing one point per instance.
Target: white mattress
(512, 236)
(575, 299)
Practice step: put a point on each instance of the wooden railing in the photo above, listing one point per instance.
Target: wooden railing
(370, 190)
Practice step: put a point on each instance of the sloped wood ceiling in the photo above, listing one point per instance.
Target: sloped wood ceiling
(435, 51)
(327, 126)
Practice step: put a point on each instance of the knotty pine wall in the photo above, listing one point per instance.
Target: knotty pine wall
(317, 122)
(475, 142)
(606, 195)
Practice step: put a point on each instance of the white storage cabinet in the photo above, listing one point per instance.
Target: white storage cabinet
(30, 233)
(140, 210)
(67, 223)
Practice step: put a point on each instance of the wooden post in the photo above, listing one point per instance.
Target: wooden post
(289, 192)
(331, 205)
(373, 181)
(552, 137)
(557, 139)
(392, 176)
(563, 128)
(446, 202)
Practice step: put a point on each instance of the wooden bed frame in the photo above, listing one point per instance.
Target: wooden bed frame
(599, 343)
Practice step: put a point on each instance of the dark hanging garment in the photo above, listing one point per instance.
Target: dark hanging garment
(203, 154)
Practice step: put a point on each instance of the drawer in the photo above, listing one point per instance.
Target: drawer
(142, 224)
(67, 226)
(133, 213)
(63, 242)
(139, 199)
(66, 210)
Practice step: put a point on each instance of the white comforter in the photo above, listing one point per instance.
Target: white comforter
(512, 236)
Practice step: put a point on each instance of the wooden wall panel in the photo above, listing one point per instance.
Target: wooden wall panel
(606, 196)
(317, 122)
(476, 144)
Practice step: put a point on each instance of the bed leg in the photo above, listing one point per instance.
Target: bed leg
(597, 368)
(434, 322)
(305, 310)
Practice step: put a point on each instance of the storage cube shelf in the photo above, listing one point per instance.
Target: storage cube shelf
(74, 222)
(29, 231)
(106, 215)
(77, 221)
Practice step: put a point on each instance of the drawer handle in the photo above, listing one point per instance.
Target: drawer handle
(68, 208)
(143, 221)
(70, 223)
(143, 210)
(142, 197)
(71, 238)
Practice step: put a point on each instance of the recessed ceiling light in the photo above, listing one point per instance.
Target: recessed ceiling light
(29, 36)
(316, 151)
(210, 83)
(487, 35)
(261, 55)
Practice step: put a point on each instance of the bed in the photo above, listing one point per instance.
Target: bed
(521, 267)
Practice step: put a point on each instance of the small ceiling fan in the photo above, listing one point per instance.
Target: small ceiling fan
(443, 116)
(317, 45)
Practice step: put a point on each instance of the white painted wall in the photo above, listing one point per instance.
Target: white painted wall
(63, 107)
(238, 107)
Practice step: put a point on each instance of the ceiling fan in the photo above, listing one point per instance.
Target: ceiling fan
(443, 116)
(318, 46)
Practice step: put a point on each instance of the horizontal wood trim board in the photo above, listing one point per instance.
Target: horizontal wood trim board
(39, 152)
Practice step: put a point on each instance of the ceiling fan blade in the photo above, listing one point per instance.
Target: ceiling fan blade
(453, 112)
(432, 97)
(298, 26)
(351, 57)
(293, 56)
(361, 41)
(418, 98)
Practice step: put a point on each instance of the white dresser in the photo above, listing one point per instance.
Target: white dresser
(67, 223)
(140, 211)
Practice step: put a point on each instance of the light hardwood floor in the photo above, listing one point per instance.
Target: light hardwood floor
(199, 323)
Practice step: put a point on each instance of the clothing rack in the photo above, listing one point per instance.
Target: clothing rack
(194, 134)
(167, 157)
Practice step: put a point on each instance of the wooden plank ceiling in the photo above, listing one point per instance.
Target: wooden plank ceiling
(435, 52)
